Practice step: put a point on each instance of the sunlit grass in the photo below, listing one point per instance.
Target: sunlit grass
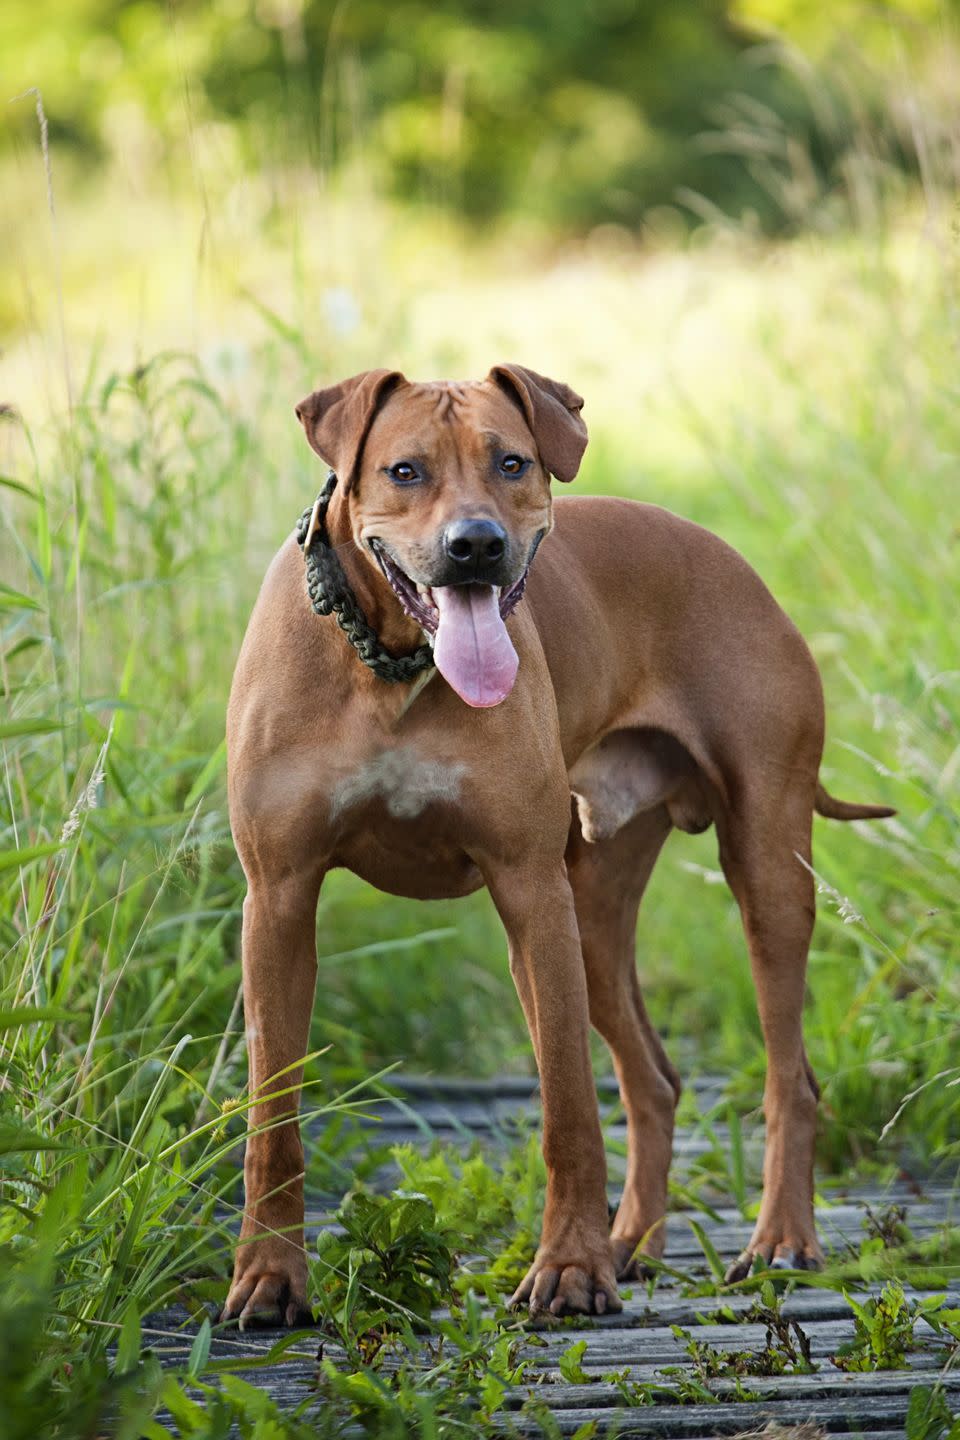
(800, 400)
(795, 399)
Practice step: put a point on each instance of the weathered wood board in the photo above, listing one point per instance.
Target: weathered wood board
(640, 1342)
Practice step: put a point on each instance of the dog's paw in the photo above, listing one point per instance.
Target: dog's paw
(589, 1288)
(268, 1292)
(798, 1253)
(629, 1262)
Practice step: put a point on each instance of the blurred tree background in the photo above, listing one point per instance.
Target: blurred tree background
(572, 112)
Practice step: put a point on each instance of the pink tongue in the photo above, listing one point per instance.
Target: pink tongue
(471, 648)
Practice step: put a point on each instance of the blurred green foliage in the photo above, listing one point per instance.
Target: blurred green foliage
(575, 113)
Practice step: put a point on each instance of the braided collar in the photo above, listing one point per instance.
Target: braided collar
(330, 593)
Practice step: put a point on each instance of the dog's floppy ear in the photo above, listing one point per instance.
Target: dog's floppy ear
(553, 414)
(337, 419)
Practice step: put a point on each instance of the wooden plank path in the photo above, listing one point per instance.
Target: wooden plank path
(639, 1344)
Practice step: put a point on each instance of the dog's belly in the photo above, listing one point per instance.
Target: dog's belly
(400, 861)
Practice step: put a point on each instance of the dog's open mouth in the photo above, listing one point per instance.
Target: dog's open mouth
(471, 647)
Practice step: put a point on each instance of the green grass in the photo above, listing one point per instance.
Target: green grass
(801, 401)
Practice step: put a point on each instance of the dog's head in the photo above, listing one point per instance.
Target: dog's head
(449, 493)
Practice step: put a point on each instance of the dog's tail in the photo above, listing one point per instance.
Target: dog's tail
(832, 809)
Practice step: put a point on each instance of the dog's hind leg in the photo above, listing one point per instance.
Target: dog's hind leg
(765, 853)
(608, 879)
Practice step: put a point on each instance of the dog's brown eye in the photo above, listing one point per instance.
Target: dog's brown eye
(402, 472)
(513, 465)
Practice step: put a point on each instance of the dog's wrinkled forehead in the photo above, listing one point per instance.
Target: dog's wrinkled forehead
(444, 422)
(513, 405)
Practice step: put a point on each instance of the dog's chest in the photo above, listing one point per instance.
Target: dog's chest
(401, 818)
(400, 783)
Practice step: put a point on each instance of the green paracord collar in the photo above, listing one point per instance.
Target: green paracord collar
(330, 593)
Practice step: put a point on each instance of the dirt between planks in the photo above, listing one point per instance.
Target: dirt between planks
(639, 1344)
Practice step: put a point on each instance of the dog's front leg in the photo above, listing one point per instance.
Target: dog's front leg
(573, 1269)
(279, 975)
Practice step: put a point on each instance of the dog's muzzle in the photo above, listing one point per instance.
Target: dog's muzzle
(465, 620)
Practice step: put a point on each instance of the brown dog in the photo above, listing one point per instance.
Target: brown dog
(647, 680)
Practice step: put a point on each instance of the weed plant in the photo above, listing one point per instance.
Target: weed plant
(808, 413)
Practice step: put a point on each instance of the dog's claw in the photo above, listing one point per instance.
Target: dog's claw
(630, 1265)
(638, 1242)
(780, 1257)
(740, 1268)
(266, 1301)
(567, 1290)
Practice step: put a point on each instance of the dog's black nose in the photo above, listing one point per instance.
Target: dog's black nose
(475, 543)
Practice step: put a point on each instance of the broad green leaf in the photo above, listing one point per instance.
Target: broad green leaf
(570, 1367)
(128, 1345)
(199, 1350)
